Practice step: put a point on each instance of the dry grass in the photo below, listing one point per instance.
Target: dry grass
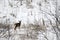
(37, 27)
(4, 26)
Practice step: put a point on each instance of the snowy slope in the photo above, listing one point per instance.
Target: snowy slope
(29, 13)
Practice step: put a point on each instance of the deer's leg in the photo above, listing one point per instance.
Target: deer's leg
(19, 27)
(15, 27)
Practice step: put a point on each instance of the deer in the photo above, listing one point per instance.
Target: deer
(17, 25)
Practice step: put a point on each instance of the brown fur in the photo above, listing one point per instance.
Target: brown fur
(17, 25)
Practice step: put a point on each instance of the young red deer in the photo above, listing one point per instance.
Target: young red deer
(17, 25)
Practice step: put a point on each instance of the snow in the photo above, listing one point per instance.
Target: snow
(28, 16)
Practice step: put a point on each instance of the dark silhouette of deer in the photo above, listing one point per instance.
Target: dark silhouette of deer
(17, 25)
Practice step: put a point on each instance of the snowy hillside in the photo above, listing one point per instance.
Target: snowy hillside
(38, 20)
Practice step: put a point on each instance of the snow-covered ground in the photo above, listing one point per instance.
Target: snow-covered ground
(11, 11)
